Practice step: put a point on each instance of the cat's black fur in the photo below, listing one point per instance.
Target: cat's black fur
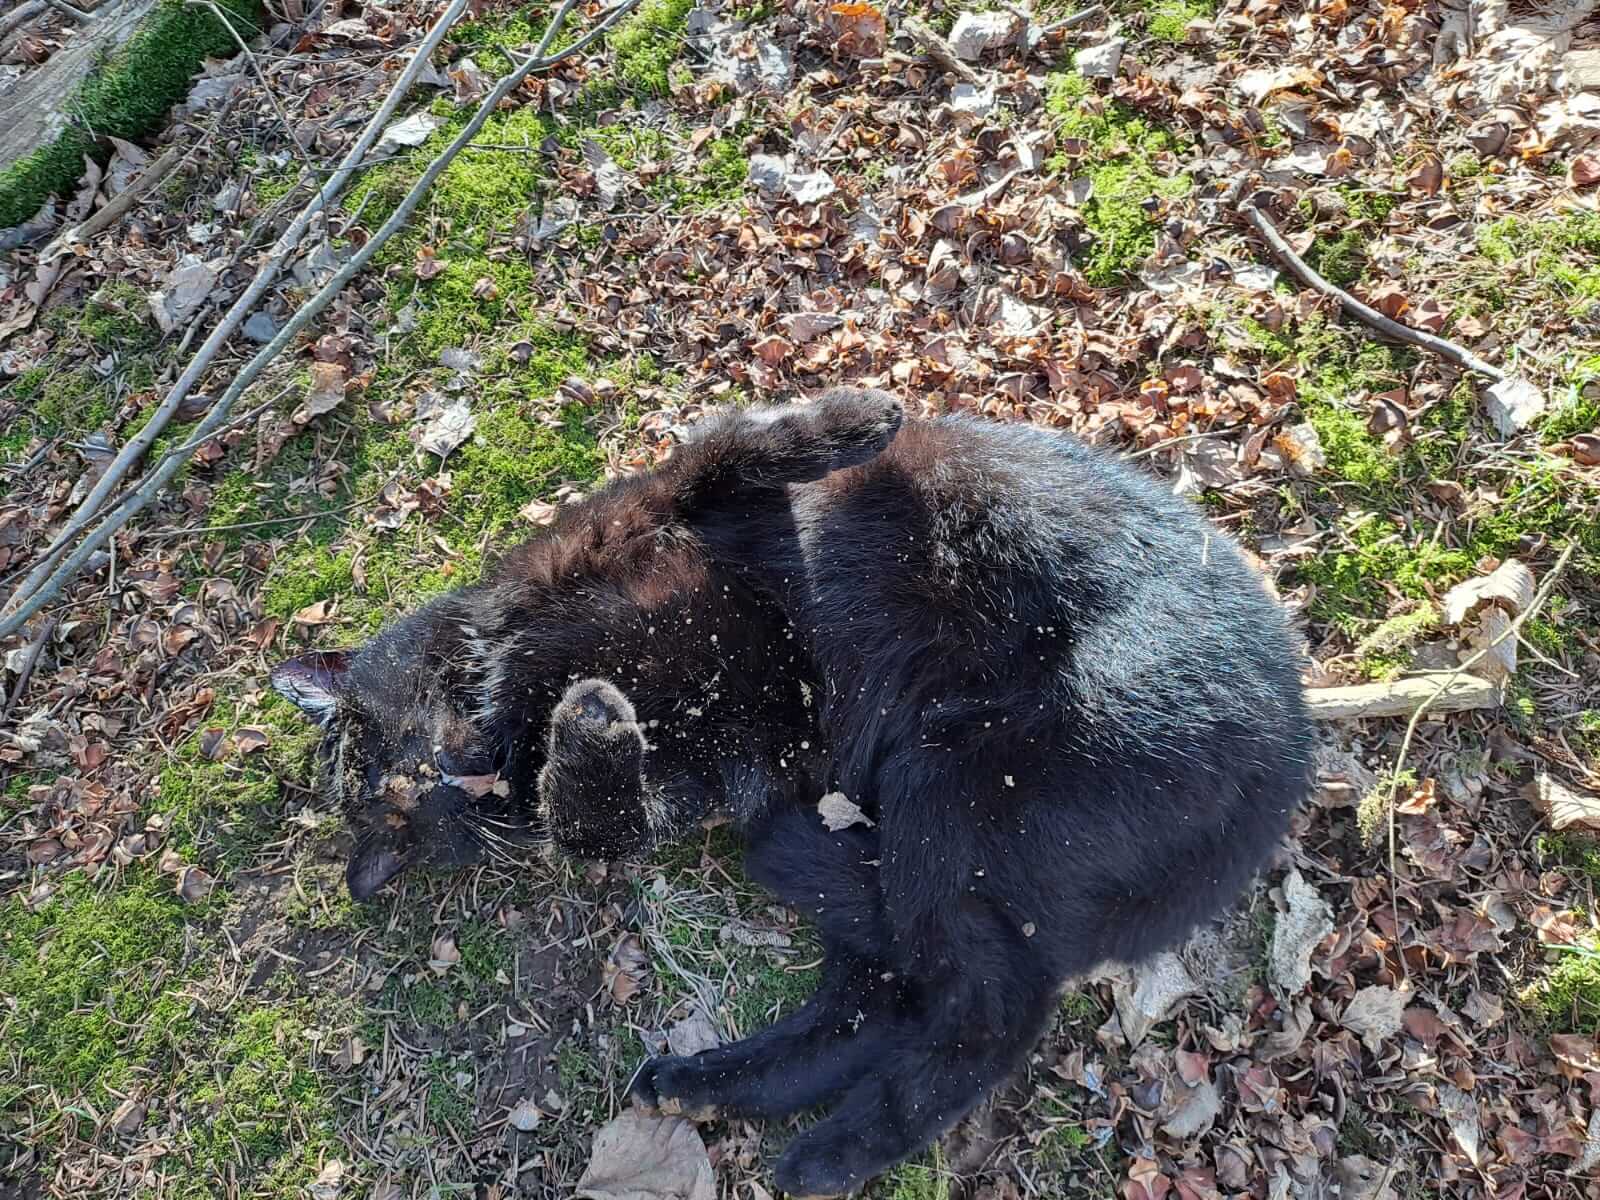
(1066, 703)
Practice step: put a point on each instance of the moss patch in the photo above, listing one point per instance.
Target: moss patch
(87, 979)
(1122, 154)
(127, 96)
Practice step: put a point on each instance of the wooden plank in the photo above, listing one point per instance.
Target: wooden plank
(1402, 697)
(34, 110)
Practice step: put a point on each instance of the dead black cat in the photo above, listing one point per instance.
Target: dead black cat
(1067, 705)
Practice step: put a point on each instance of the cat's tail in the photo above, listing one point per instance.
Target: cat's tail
(761, 449)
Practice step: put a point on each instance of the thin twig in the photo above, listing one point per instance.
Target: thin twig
(105, 217)
(1459, 355)
(32, 595)
(195, 531)
(1467, 663)
(30, 657)
(266, 85)
(276, 259)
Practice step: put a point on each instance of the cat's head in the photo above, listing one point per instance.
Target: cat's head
(405, 764)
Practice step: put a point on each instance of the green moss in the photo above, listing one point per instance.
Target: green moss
(1386, 650)
(1169, 19)
(263, 1109)
(1562, 255)
(128, 96)
(220, 812)
(1572, 853)
(512, 461)
(1121, 149)
(1567, 999)
(302, 579)
(927, 1179)
(89, 980)
(645, 45)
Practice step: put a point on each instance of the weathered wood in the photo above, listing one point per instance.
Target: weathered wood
(34, 111)
(1402, 697)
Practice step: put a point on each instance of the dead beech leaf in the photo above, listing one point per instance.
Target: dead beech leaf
(1512, 404)
(538, 512)
(636, 1157)
(625, 969)
(524, 1116)
(429, 265)
(1149, 993)
(194, 885)
(692, 1034)
(250, 739)
(1584, 448)
(328, 1182)
(856, 30)
(1373, 1014)
(443, 954)
(840, 812)
(1585, 170)
(128, 1117)
(1427, 178)
(1509, 586)
(317, 613)
(447, 426)
(1565, 807)
(1296, 934)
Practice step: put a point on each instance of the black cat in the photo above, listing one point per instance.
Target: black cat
(1067, 705)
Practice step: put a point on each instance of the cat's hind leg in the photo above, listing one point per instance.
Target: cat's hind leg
(957, 1032)
(803, 1061)
(819, 1052)
(754, 450)
(831, 876)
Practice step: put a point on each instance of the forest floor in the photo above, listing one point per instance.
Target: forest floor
(724, 206)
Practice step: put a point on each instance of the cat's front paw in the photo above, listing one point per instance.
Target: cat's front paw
(592, 788)
(671, 1086)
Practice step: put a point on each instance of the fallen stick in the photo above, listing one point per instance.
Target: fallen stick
(32, 596)
(1442, 691)
(938, 49)
(19, 18)
(104, 218)
(1459, 355)
(30, 659)
(1449, 677)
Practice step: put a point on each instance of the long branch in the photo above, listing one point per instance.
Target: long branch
(1459, 355)
(277, 257)
(24, 606)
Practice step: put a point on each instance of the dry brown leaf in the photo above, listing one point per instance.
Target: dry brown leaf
(1296, 934)
(1373, 1014)
(194, 885)
(1510, 585)
(840, 812)
(443, 954)
(636, 1157)
(1564, 806)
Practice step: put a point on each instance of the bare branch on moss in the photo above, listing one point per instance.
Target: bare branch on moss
(77, 14)
(277, 257)
(1445, 349)
(30, 598)
(19, 18)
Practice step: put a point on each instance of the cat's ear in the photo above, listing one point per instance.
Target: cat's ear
(376, 860)
(312, 681)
